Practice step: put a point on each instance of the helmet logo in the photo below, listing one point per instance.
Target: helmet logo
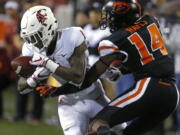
(121, 7)
(41, 17)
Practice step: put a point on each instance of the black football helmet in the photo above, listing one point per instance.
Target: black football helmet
(117, 14)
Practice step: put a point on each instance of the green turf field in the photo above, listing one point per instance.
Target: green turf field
(48, 126)
(20, 128)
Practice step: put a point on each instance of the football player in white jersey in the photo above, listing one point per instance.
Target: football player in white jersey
(63, 54)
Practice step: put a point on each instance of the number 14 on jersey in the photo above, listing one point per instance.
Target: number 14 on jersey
(157, 43)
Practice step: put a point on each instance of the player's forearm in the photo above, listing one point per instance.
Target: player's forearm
(99, 68)
(124, 70)
(65, 89)
(94, 73)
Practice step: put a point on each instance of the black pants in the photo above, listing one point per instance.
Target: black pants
(22, 102)
(4, 83)
(147, 103)
(1, 105)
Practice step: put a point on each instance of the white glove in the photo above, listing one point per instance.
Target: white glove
(40, 74)
(26, 91)
(43, 61)
(111, 74)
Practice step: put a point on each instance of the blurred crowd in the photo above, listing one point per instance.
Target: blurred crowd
(86, 14)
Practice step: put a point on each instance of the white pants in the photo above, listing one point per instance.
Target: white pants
(75, 110)
(74, 118)
(74, 115)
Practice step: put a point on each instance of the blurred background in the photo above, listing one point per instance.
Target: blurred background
(31, 114)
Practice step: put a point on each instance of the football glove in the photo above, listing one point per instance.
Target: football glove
(46, 90)
(39, 75)
(111, 74)
(26, 91)
(43, 61)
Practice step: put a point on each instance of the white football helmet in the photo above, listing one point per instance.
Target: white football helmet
(38, 26)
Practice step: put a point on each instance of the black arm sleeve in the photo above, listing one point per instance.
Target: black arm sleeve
(66, 88)
(124, 70)
(91, 75)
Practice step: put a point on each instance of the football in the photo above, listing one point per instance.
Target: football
(22, 67)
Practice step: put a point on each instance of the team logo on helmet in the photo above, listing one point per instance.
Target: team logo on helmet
(121, 7)
(41, 17)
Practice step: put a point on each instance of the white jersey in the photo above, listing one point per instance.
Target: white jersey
(68, 39)
(74, 110)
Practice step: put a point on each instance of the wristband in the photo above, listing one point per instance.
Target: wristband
(51, 65)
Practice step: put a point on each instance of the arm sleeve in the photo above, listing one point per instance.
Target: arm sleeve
(124, 70)
(91, 76)
(66, 88)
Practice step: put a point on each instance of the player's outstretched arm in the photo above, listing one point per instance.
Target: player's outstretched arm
(91, 76)
(100, 67)
(50, 91)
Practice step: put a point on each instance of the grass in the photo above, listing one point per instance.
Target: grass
(49, 125)
(20, 128)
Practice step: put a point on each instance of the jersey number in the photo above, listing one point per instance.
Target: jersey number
(156, 43)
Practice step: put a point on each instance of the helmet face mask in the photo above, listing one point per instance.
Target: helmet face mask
(38, 26)
(104, 21)
(119, 14)
(105, 15)
(33, 38)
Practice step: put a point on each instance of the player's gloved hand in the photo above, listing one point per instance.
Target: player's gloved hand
(46, 90)
(111, 74)
(40, 74)
(39, 59)
(23, 87)
(43, 61)
(114, 77)
(26, 91)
